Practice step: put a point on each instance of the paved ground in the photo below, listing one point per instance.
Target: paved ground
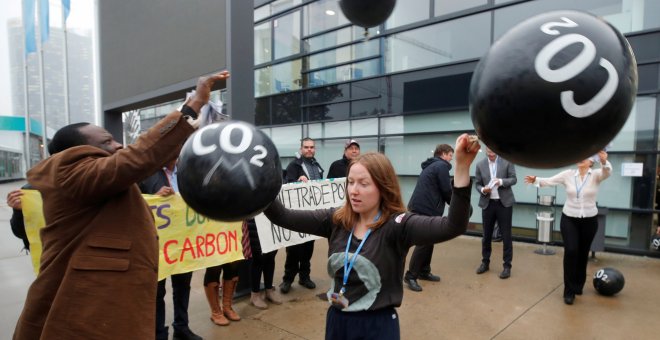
(463, 305)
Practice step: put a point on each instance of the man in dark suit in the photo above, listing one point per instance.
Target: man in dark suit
(493, 180)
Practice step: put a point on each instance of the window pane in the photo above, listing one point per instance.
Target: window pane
(262, 82)
(330, 39)
(639, 126)
(282, 5)
(261, 13)
(287, 35)
(287, 139)
(262, 111)
(408, 152)
(262, 39)
(286, 76)
(626, 16)
(443, 7)
(365, 69)
(438, 44)
(327, 112)
(446, 121)
(321, 16)
(337, 129)
(409, 11)
(286, 108)
(327, 94)
(332, 57)
(364, 127)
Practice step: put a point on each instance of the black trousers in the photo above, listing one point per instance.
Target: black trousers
(420, 262)
(577, 233)
(228, 271)
(262, 264)
(297, 262)
(380, 324)
(180, 299)
(496, 212)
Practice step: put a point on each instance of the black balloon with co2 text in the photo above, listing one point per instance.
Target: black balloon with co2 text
(229, 171)
(554, 90)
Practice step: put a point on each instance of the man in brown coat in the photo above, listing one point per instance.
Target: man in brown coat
(98, 273)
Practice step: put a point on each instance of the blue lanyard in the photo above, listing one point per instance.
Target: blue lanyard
(348, 265)
(579, 189)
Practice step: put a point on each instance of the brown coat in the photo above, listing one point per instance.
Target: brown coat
(98, 272)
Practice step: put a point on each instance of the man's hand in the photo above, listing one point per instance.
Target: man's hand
(203, 90)
(14, 199)
(165, 191)
(303, 179)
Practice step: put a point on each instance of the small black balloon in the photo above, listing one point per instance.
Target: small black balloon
(553, 90)
(608, 281)
(229, 171)
(367, 13)
(655, 242)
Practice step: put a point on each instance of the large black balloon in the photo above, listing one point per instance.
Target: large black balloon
(608, 281)
(229, 171)
(367, 13)
(553, 90)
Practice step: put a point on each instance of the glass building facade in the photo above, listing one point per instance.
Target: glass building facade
(402, 88)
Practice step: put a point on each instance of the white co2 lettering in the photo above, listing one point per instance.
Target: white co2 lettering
(573, 68)
(226, 145)
(600, 274)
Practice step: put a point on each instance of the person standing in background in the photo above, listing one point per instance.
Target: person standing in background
(432, 192)
(338, 167)
(494, 178)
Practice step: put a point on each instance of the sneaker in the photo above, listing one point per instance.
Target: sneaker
(307, 283)
(483, 267)
(285, 287)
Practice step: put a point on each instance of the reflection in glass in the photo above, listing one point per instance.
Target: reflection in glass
(286, 76)
(407, 12)
(442, 7)
(626, 16)
(321, 16)
(286, 32)
(286, 108)
(438, 44)
(262, 41)
(338, 111)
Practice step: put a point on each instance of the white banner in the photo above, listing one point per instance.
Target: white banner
(312, 195)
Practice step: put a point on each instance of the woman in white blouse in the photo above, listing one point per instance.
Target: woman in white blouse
(578, 219)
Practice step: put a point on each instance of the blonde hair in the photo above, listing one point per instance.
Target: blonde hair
(384, 177)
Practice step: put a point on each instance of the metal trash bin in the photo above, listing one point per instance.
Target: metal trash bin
(546, 200)
(544, 224)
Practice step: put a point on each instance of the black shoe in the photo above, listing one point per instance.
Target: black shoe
(429, 277)
(579, 292)
(307, 283)
(506, 273)
(568, 299)
(413, 285)
(186, 334)
(483, 267)
(285, 287)
(497, 239)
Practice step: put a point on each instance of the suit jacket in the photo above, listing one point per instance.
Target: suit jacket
(98, 272)
(505, 171)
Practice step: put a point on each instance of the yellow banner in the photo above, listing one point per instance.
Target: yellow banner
(188, 241)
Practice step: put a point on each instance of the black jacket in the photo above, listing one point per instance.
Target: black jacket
(153, 183)
(294, 170)
(338, 168)
(433, 189)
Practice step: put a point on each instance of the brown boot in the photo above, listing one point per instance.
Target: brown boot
(229, 286)
(212, 297)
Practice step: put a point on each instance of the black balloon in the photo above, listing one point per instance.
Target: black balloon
(367, 13)
(553, 90)
(655, 242)
(229, 171)
(608, 281)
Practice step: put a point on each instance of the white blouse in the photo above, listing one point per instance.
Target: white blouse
(580, 193)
